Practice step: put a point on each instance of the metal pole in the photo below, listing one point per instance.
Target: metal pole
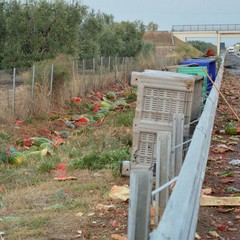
(94, 75)
(73, 78)
(109, 63)
(177, 156)
(139, 204)
(84, 72)
(101, 71)
(33, 82)
(51, 83)
(162, 171)
(14, 92)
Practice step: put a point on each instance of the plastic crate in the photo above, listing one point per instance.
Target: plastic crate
(211, 66)
(160, 95)
(199, 72)
(144, 150)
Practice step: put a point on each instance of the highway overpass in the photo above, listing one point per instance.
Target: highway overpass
(218, 31)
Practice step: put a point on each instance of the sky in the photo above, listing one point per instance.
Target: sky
(166, 13)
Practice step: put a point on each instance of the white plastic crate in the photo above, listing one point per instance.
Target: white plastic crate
(160, 95)
(144, 147)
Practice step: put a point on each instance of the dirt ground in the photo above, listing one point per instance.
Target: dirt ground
(223, 178)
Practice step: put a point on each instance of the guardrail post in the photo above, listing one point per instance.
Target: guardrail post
(162, 171)
(177, 148)
(139, 204)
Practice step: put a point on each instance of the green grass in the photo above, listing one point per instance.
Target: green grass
(36, 222)
(124, 119)
(48, 163)
(40, 203)
(100, 160)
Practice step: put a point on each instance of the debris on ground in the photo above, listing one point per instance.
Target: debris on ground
(219, 201)
(119, 193)
(235, 162)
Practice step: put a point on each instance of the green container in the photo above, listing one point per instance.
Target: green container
(199, 72)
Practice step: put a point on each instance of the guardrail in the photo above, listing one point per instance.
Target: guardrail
(206, 27)
(180, 216)
(179, 220)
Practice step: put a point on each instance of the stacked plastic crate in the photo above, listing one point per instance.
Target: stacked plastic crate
(160, 95)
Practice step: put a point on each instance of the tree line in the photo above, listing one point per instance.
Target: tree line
(203, 46)
(37, 30)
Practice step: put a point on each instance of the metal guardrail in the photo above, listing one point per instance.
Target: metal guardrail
(179, 220)
(180, 216)
(206, 27)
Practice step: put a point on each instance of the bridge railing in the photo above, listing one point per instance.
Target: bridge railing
(206, 27)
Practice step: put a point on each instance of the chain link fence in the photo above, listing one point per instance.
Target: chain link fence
(46, 89)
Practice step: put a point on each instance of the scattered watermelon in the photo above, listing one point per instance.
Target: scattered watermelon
(37, 141)
(111, 95)
(99, 95)
(98, 116)
(76, 100)
(96, 107)
(104, 111)
(106, 105)
(17, 158)
(75, 117)
(231, 129)
(82, 121)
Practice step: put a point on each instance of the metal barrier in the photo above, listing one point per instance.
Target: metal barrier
(180, 216)
(206, 27)
(179, 220)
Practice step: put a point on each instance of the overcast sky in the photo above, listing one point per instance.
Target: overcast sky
(171, 12)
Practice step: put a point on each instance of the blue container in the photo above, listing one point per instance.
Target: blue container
(211, 66)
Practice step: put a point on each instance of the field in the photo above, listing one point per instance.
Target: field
(36, 203)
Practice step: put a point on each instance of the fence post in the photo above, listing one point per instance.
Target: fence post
(51, 83)
(162, 171)
(33, 88)
(101, 71)
(73, 78)
(139, 204)
(116, 70)
(109, 64)
(177, 152)
(84, 73)
(14, 92)
(33, 82)
(94, 72)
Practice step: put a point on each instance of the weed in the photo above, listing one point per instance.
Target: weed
(78, 204)
(75, 152)
(131, 96)
(4, 157)
(48, 164)
(98, 160)
(124, 119)
(36, 222)
(4, 136)
(60, 196)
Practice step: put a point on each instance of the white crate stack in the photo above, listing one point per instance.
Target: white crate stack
(160, 95)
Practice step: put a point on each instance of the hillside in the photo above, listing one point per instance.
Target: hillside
(162, 38)
(168, 45)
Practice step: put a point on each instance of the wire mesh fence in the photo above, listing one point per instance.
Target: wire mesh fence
(45, 88)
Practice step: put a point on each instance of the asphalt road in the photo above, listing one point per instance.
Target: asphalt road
(232, 63)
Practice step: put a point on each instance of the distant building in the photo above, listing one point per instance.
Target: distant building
(237, 47)
(222, 46)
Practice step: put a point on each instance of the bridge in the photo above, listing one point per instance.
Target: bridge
(183, 32)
